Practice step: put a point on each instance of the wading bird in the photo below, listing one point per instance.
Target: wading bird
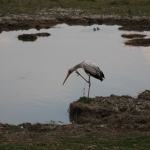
(90, 68)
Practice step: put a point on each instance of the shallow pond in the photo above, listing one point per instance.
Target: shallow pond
(32, 73)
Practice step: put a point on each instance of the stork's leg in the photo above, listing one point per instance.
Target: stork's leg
(86, 81)
(89, 86)
(81, 76)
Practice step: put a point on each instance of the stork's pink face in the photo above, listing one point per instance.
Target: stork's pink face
(68, 74)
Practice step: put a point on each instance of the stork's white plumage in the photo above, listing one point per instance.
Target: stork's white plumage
(90, 68)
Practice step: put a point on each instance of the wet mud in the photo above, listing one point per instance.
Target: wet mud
(138, 42)
(131, 36)
(31, 37)
(119, 112)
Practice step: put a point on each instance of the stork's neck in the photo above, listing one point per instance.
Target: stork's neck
(76, 67)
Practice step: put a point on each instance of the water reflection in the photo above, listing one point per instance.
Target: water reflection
(146, 52)
(32, 73)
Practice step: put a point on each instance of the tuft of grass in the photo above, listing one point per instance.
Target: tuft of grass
(134, 142)
(46, 129)
(110, 126)
(119, 2)
(14, 128)
(84, 100)
(1, 136)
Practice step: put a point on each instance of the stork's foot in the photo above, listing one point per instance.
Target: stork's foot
(81, 76)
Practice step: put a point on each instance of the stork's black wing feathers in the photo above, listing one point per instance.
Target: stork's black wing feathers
(91, 69)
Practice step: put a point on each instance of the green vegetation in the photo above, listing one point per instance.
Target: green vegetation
(130, 142)
(13, 147)
(84, 100)
(1, 136)
(112, 7)
(14, 128)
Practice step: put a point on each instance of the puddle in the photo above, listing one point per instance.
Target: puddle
(32, 73)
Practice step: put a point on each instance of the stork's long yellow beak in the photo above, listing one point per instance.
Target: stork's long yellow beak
(66, 77)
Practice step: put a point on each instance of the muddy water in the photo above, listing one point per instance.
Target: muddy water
(32, 73)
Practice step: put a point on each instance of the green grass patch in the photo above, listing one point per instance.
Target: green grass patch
(134, 142)
(96, 142)
(84, 100)
(1, 136)
(46, 129)
(14, 128)
(110, 126)
(120, 7)
(14, 147)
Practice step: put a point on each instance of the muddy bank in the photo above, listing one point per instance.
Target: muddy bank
(119, 112)
(48, 20)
